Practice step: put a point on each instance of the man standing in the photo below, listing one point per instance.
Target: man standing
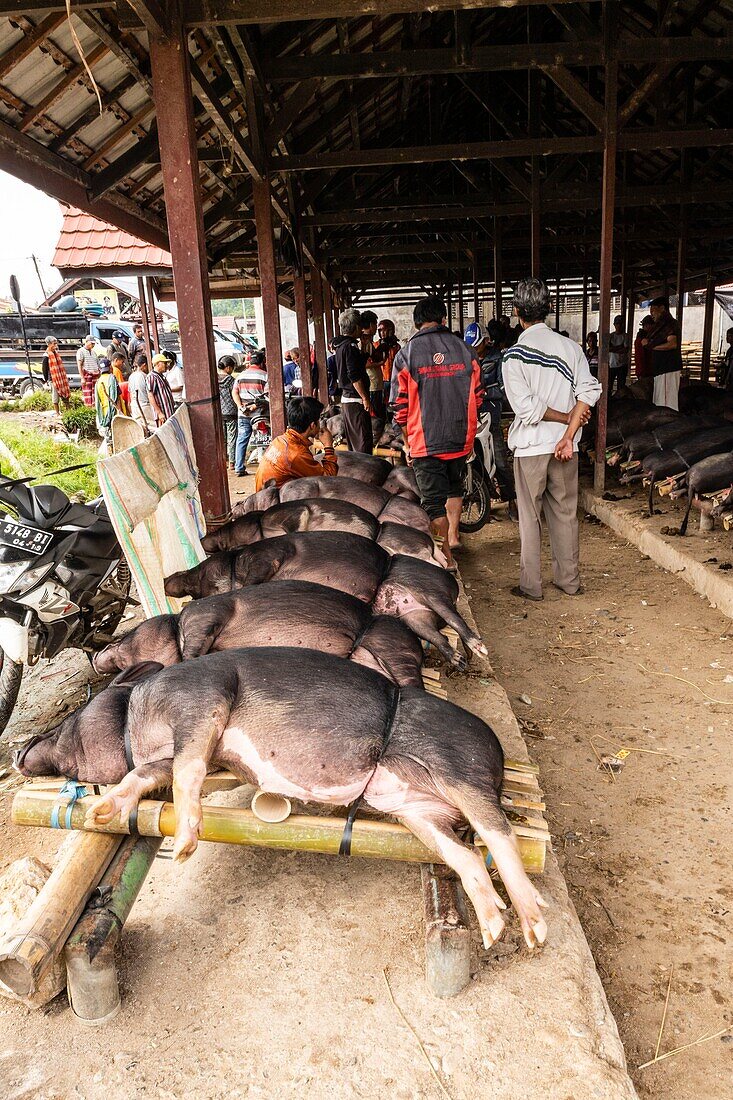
(618, 356)
(488, 354)
(385, 351)
(289, 373)
(249, 387)
(139, 395)
(161, 396)
(107, 402)
(551, 390)
(119, 347)
(289, 455)
(438, 397)
(666, 355)
(88, 364)
(137, 344)
(229, 411)
(353, 382)
(54, 373)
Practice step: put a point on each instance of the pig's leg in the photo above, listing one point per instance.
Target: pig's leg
(525, 899)
(437, 835)
(423, 623)
(194, 749)
(197, 632)
(445, 611)
(125, 796)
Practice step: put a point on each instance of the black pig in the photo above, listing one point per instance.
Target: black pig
(423, 596)
(290, 613)
(350, 733)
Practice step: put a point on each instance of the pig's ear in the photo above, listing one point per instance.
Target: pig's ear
(135, 674)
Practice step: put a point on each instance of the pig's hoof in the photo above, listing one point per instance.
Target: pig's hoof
(534, 925)
(459, 661)
(492, 930)
(477, 646)
(184, 847)
(108, 806)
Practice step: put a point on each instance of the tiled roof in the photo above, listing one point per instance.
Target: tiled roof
(87, 242)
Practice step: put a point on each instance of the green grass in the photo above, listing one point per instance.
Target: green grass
(37, 452)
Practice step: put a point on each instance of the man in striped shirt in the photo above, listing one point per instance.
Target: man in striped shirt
(551, 390)
(248, 387)
(161, 395)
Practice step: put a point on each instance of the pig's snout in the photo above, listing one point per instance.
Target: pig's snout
(107, 659)
(178, 584)
(211, 542)
(36, 757)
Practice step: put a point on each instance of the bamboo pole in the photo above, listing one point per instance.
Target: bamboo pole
(300, 832)
(30, 949)
(91, 972)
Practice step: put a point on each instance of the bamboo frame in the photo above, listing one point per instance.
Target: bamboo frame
(300, 832)
(27, 953)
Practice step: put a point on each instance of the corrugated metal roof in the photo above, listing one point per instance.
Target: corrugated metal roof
(87, 242)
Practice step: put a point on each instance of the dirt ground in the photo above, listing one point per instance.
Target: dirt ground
(646, 853)
(257, 974)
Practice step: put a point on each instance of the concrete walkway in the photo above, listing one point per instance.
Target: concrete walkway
(684, 557)
(557, 1012)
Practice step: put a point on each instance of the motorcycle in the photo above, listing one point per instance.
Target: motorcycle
(478, 481)
(261, 436)
(64, 582)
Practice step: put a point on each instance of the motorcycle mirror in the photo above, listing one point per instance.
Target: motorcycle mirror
(15, 288)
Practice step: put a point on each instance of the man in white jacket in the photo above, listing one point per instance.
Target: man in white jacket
(551, 390)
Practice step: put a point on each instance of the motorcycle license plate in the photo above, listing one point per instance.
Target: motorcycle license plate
(24, 537)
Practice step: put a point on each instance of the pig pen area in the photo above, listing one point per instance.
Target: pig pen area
(254, 973)
(640, 661)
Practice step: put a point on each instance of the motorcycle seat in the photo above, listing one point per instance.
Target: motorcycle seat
(98, 541)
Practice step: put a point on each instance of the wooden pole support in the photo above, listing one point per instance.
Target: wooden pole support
(29, 951)
(301, 832)
(91, 970)
(447, 933)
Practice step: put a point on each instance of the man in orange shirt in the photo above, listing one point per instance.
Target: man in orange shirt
(289, 455)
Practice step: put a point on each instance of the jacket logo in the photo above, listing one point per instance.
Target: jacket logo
(438, 358)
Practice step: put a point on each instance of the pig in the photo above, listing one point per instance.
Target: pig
(707, 476)
(318, 617)
(323, 515)
(309, 726)
(692, 449)
(386, 507)
(377, 471)
(423, 596)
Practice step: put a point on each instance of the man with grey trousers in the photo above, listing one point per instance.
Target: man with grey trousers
(552, 391)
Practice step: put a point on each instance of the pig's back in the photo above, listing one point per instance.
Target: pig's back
(370, 497)
(292, 613)
(336, 559)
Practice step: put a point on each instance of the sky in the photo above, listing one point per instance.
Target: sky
(30, 223)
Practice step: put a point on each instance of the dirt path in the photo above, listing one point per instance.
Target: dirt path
(646, 854)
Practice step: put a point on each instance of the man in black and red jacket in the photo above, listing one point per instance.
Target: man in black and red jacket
(439, 393)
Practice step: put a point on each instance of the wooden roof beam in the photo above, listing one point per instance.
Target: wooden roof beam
(111, 39)
(504, 58)
(577, 93)
(29, 42)
(76, 73)
(199, 13)
(154, 16)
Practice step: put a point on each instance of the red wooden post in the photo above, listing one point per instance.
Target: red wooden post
(707, 330)
(144, 317)
(153, 315)
(328, 310)
(262, 199)
(474, 261)
(681, 265)
(604, 306)
(301, 317)
(169, 61)
(319, 333)
(498, 300)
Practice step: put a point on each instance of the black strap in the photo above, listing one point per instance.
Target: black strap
(681, 458)
(345, 845)
(202, 401)
(132, 821)
(232, 570)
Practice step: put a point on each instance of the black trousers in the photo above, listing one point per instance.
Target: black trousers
(357, 427)
(504, 470)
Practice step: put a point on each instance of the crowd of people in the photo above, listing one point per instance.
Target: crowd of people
(118, 379)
